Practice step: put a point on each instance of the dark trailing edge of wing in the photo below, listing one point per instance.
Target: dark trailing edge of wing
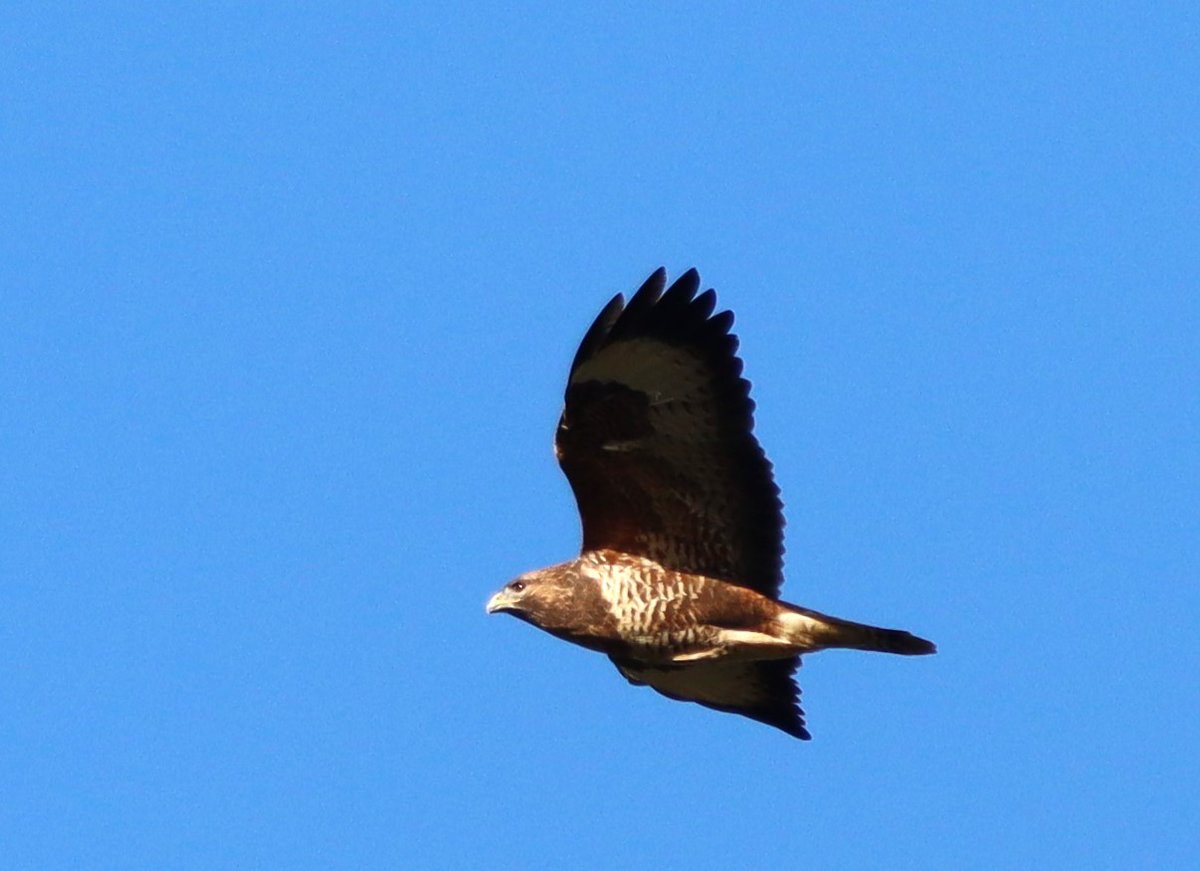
(783, 709)
(780, 708)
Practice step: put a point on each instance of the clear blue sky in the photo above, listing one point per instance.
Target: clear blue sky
(288, 298)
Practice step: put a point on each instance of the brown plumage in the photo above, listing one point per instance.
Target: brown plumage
(679, 577)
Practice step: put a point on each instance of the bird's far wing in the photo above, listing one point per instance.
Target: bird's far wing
(656, 440)
(762, 690)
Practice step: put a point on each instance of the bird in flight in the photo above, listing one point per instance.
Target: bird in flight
(678, 579)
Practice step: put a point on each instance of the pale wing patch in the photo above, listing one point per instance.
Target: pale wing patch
(649, 366)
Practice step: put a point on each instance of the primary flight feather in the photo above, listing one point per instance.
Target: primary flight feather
(678, 579)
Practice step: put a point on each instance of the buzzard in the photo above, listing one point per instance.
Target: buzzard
(678, 579)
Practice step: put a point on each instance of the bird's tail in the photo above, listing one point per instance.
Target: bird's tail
(825, 631)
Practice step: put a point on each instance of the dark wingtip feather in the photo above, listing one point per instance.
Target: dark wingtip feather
(782, 709)
(704, 304)
(599, 330)
(658, 277)
(793, 726)
(685, 285)
(647, 295)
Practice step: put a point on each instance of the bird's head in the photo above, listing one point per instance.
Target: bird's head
(543, 598)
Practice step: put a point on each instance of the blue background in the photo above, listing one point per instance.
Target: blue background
(289, 295)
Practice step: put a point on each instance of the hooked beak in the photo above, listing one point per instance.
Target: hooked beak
(502, 601)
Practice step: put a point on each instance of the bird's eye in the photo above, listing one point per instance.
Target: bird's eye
(517, 586)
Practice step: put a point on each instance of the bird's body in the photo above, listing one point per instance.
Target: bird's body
(638, 611)
(679, 576)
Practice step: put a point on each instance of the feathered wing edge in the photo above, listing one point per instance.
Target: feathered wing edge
(777, 701)
(680, 317)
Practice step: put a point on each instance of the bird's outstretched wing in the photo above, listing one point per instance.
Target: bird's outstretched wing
(762, 690)
(656, 440)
